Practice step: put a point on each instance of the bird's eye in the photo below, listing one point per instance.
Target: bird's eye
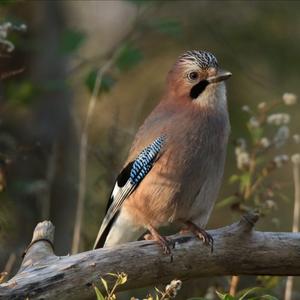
(192, 76)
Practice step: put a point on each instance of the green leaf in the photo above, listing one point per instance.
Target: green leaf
(226, 202)
(260, 160)
(256, 133)
(98, 294)
(158, 292)
(104, 284)
(245, 180)
(122, 278)
(249, 291)
(225, 296)
(262, 297)
(167, 26)
(257, 291)
(21, 93)
(268, 282)
(71, 40)
(113, 274)
(129, 57)
(7, 2)
(234, 178)
(106, 84)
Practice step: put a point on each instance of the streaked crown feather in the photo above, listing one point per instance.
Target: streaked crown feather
(202, 59)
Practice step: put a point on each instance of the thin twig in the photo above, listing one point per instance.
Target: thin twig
(296, 175)
(84, 136)
(83, 153)
(8, 267)
(9, 74)
(233, 285)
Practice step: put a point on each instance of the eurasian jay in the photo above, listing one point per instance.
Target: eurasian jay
(174, 169)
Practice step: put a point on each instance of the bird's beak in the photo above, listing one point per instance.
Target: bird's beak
(220, 76)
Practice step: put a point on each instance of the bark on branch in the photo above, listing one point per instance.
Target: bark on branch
(238, 249)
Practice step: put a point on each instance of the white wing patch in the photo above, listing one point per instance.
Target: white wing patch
(139, 168)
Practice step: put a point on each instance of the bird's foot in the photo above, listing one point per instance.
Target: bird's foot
(164, 242)
(148, 237)
(204, 236)
(184, 231)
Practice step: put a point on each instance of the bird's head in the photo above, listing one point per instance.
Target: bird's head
(197, 78)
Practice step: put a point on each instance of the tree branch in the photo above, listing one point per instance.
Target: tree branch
(83, 155)
(238, 250)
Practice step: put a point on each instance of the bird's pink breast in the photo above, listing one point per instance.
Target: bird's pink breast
(194, 149)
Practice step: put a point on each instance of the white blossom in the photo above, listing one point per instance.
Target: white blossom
(279, 160)
(242, 158)
(289, 98)
(254, 123)
(172, 289)
(295, 158)
(281, 136)
(270, 204)
(278, 119)
(265, 142)
(246, 108)
(262, 105)
(210, 293)
(296, 138)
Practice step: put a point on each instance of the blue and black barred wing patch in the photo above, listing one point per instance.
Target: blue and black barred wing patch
(128, 180)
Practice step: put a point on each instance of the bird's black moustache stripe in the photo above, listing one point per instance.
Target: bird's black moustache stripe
(198, 88)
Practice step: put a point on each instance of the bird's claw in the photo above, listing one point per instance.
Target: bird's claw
(166, 247)
(171, 242)
(204, 236)
(164, 242)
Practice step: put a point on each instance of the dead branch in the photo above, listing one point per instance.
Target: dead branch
(238, 250)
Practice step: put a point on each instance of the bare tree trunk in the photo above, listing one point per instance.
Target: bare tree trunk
(238, 250)
(54, 124)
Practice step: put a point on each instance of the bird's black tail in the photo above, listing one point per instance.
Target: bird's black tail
(100, 240)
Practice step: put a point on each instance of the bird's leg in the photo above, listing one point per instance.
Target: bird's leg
(161, 240)
(200, 233)
(184, 231)
(148, 237)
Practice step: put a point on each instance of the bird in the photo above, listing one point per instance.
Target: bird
(176, 162)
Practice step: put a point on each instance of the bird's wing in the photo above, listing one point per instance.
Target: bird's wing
(128, 180)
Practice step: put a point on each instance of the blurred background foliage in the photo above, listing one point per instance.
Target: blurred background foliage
(54, 66)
